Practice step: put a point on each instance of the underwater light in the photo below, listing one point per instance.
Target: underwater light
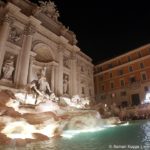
(125, 124)
(71, 133)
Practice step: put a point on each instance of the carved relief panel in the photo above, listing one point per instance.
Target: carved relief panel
(15, 35)
(66, 62)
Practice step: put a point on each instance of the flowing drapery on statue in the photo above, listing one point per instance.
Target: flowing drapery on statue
(8, 68)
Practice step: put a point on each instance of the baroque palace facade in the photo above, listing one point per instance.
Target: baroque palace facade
(124, 80)
(32, 38)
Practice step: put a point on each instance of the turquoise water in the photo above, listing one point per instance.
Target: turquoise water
(135, 135)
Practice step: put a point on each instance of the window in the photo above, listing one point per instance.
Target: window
(141, 65)
(103, 97)
(112, 85)
(143, 76)
(119, 62)
(120, 72)
(129, 58)
(132, 79)
(103, 87)
(99, 69)
(123, 93)
(101, 77)
(146, 88)
(139, 54)
(110, 75)
(122, 83)
(124, 104)
(130, 68)
(110, 66)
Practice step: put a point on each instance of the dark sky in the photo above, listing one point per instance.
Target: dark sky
(106, 29)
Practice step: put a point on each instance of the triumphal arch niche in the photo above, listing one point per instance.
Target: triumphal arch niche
(32, 39)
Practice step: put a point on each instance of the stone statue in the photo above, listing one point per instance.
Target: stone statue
(41, 88)
(64, 30)
(44, 86)
(65, 84)
(49, 8)
(43, 72)
(8, 68)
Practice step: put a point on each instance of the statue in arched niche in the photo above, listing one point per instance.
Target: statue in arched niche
(41, 86)
(44, 86)
(8, 68)
(65, 84)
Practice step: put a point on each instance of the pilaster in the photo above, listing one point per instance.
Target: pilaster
(74, 73)
(25, 55)
(60, 70)
(4, 32)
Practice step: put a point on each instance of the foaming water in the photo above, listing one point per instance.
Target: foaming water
(133, 135)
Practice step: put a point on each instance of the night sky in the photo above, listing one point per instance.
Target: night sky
(106, 29)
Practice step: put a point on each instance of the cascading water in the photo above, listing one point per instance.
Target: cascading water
(27, 123)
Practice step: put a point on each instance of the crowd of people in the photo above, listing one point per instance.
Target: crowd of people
(135, 113)
(139, 112)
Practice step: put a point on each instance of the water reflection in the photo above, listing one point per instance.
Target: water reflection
(145, 132)
(135, 134)
(45, 145)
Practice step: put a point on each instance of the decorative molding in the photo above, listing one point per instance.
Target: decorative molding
(64, 30)
(73, 56)
(74, 39)
(9, 19)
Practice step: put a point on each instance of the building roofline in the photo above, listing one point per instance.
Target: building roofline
(124, 54)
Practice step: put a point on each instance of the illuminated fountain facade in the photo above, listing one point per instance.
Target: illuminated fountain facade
(32, 38)
(45, 79)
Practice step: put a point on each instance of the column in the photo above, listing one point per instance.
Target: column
(93, 89)
(52, 77)
(30, 69)
(78, 78)
(25, 55)
(55, 80)
(74, 74)
(4, 32)
(60, 71)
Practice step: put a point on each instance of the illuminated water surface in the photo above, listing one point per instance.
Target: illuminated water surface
(135, 135)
